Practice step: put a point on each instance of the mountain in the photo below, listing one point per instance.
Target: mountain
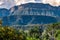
(4, 12)
(35, 7)
(28, 20)
(32, 13)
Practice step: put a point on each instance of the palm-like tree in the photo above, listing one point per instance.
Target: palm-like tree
(51, 30)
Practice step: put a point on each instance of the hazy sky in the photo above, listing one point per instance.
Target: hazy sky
(10, 3)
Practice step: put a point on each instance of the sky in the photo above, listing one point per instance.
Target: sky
(10, 3)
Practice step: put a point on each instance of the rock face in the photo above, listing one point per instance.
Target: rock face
(35, 9)
(32, 13)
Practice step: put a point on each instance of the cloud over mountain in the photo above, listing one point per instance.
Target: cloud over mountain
(6, 3)
(18, 2)
(52, 2)
(10, 3)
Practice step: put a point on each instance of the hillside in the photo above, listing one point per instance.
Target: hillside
(31, 13)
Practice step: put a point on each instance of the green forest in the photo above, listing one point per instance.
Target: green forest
(51, 32)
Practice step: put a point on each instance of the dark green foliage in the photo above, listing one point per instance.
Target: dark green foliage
(7, 33)
(52, 31)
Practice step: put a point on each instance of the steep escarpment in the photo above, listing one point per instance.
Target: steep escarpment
(32, 13)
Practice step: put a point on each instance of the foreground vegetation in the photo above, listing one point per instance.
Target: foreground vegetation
(50, 32)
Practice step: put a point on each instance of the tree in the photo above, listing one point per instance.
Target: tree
(51, 30)
(0, 22)
(36, 32)
(8, 33)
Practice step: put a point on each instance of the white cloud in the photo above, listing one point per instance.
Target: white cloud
(6, 3)
(18, 2)
(52, 2)
(10, 3)
(1, 3)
